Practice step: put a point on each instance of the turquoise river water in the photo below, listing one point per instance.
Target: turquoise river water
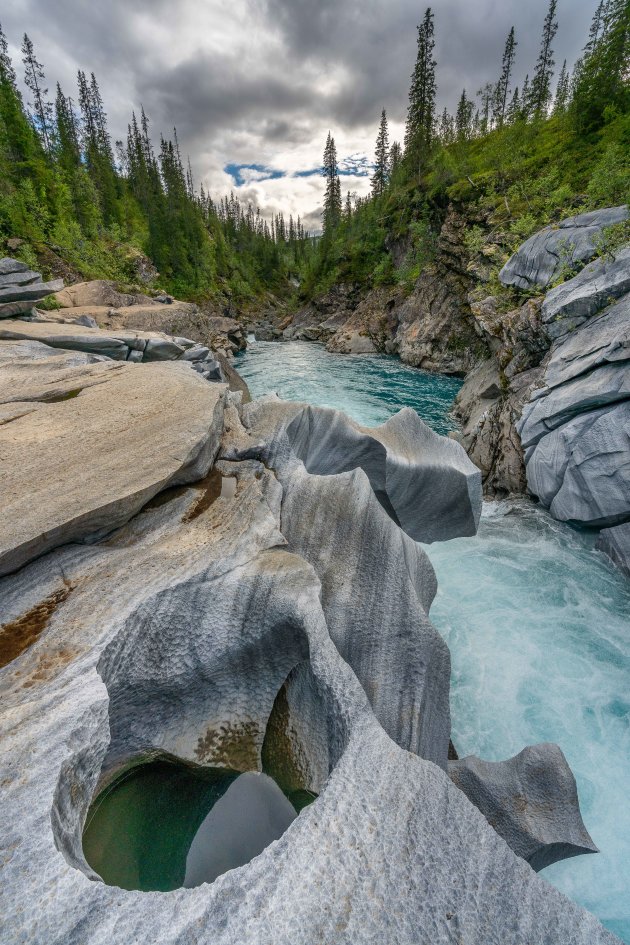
(537, 621)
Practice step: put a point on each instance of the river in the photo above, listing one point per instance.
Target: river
(537, 621)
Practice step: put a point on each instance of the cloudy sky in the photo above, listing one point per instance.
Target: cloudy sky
(253, 86)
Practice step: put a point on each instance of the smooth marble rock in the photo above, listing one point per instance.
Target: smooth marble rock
(19, 278)
(114, 344)
(530, 800)
(179, 634)
(85, 464)
(569, 243)
(581, 471)
(32, 292)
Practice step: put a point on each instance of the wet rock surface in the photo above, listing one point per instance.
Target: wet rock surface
(295, 600)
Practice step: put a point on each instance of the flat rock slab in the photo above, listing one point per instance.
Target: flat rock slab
(545, 254)
(85, 465)
(113, 344)
(33, 292)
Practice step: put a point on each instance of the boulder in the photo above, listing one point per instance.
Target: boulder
(8, 266)
(581, 471)
(31, 292)
(351, 342)
(98, 292)
(598, 285)
(530, 800)
(114, 436)
(115, 344)
(553, 249)
(615, 542)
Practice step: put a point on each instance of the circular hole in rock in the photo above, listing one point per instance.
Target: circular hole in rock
(163, 824)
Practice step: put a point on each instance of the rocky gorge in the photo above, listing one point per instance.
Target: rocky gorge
(189, 576)
(543, 409)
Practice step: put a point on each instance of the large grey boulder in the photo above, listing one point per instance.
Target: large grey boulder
(198, 631)
(116, 344)
(581, 471)
(571, 242)
(615, 542)
(530, 800)
(62, 480)
(593, 289)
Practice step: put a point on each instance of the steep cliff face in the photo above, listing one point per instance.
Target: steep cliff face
(548, 412)
(432, 327)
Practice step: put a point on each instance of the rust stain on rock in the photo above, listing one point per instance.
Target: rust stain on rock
(19, 634)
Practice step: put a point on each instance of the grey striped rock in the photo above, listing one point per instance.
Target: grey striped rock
(570, 243)
(530, 800)
(596, 287)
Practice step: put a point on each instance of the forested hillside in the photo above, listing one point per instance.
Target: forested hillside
(511, 159)
(76, 202)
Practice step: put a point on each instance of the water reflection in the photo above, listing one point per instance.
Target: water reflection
(163, 824)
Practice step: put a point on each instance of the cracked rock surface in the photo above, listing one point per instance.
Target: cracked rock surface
(288, 575)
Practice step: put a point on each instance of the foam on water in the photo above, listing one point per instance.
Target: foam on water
(538, 624)
(537, 621)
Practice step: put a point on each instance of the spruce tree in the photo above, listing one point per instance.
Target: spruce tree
(447, 128)
(603, 79)
(486, 96)
(561, 100)
(332, 194)
(67, 145)
(513, 112)
(540, 91)
(381, 167)
(422, 94)
(464, 118)
(503, 85)
(7, 72)
(395, 157)
(525, 111)
(41, 108)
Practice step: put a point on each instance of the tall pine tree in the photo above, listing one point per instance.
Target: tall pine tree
(422, 94)
(502, 89)
(381, 164)
(332, 194)
(540, 90)
(41, 107)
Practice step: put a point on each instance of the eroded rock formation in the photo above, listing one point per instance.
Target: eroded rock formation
(277, 608)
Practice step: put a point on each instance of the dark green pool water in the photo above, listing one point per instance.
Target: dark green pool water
(162, 824)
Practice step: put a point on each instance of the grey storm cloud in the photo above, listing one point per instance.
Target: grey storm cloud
(260, 82)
